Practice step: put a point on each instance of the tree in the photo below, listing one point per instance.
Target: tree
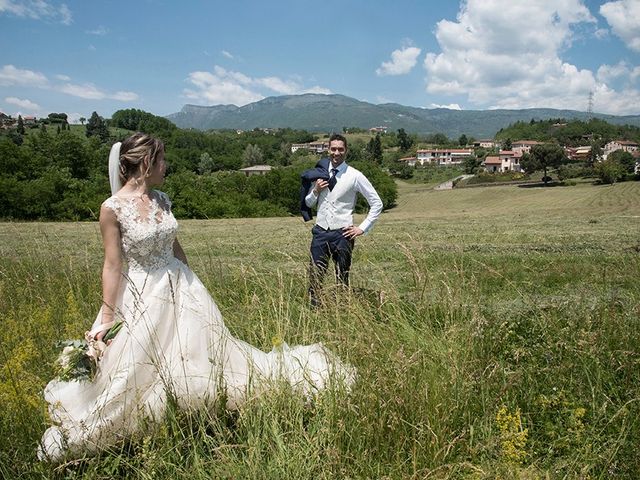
(462, 141)
(97, 128)
(252, 155)
(507, 144)
(82, 120)
(547, 155)
(70, 152)
(141, 121)
(207, 164)
(625, 159)
(438, 139)
(374, 149)
(405, 142)
(57, 117)
(285, 153)
(20, 128)
(528, 163)
(610, 170)
(471, 164)
(595, 155)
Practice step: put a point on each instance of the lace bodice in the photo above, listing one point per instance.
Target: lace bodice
(147, 237)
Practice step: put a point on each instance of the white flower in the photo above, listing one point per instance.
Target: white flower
(65, 356)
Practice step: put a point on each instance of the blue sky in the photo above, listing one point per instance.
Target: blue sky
(157, 55)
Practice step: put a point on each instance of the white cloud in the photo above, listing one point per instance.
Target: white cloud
(37, 10)
(10, 75)
(623, 102)
(601, 33)
(65, 14)
(224, 86)
(451, 106)
(216, 89)
(124, 96)
(101, 31)
(91, 92)
(227, 54)
(278, 85)
(504, 54)
(608, 73)
(402, 62)
(317, 89)
(624, 18)
(86, 91)
(621, 74)
(22, 103)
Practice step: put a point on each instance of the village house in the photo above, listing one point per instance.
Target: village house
(484, 144)
(256, 170)
(315, 147)
(297, 146)
(29, 120)
(578, 154)
(511, 161)
(319, 147)
(614, 145)
(524, 146)
(492, 163)
(505, 161)
(378, 130)
(445, 156)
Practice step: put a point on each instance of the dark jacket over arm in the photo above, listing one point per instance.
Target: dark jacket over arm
(321, 171)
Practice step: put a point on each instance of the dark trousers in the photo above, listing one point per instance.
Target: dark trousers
(327, 244)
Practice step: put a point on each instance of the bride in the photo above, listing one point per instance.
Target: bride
(173, 342)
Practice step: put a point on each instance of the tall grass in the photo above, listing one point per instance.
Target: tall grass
(495, 334)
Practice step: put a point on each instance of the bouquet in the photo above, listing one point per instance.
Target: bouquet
(79, 358)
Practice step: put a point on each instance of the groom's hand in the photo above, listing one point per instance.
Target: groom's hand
(320, 185)
(352, 232)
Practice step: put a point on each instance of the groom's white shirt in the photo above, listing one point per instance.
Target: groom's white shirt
(335, 207)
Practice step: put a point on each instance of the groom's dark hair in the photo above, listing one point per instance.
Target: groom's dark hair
(337, 136)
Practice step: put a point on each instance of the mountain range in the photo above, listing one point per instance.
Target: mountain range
(330, 113)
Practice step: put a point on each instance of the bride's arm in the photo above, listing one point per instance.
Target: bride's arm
(112, 268)
(178, 252)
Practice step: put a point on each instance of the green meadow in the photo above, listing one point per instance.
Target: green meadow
(495, 331)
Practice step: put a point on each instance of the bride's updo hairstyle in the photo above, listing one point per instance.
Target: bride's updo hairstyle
(138, 154)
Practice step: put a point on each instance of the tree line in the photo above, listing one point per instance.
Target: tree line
(62, 174)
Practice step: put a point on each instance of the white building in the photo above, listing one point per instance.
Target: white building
(524, 146)
(614, 145)
(315, 147)
(445, 156)
(506, 161)
(484, 143)
(256, 170)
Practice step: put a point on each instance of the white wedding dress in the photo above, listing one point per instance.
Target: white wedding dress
(173, 343)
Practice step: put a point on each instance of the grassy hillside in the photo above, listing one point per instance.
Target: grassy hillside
(495, 333)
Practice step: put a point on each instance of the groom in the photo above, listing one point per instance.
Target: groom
(334, 233)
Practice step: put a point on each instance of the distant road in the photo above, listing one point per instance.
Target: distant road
(448, 185)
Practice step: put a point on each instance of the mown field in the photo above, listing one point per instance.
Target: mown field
(495, 332)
